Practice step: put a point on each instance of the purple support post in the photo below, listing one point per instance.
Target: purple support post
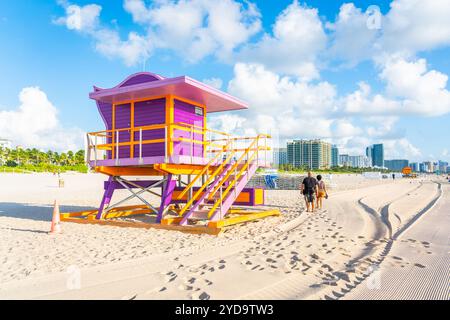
(166, 196)
(107, 196)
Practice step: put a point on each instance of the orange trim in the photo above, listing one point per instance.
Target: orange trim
(141, 100)
(197, 104)
(169, 122)
(128, 171)
(181, 168)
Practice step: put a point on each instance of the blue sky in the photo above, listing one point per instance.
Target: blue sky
(326, 73)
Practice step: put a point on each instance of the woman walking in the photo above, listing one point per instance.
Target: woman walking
(322, 192)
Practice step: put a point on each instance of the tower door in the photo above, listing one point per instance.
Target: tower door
(122, 120)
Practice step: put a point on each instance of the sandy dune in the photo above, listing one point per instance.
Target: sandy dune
(326, 255)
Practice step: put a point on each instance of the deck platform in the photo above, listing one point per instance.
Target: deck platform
(203, 226)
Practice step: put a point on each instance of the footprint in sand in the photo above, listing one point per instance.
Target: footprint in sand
(419, 265)
(185, 287)
(170, 276)
(200, 296)
(189, 280)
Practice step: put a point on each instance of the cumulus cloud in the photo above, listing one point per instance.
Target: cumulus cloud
(268, 92)
(423, 92)
(410, 90)
(291, 108)
(401, 149)
(35, 123)
(197, 28)
(409, 27)
(298, 37)
(417, 25)
(351, 40)
(86, 20)
(194, 29)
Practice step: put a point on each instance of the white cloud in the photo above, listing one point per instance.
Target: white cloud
(270, 93)
(298, 37)
(410, 26)
(214, 82)
(135, 49)
(227, 123)
(344, 128)
(35, 124)
(362, 101)
(291, 109)
(445, 152)
(85, 19)
(410, 90)
(423, 92)
(351, 40)
(197, 28)
(401, 149)
(417, 25)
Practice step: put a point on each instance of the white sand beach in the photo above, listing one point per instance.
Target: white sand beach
(374, 239)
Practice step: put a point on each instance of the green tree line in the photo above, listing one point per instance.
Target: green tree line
(40, 161)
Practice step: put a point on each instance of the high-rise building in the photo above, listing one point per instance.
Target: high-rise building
(311, 154)
(428, 166)
(344, 160)
(279, 156)
(354, 161)
(376, 154)
(422, 167)
(442, 165)
(369, 153)
(334, 156)
(414, 166)
(396, 165)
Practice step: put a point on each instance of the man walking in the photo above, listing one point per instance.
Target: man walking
(309, 190)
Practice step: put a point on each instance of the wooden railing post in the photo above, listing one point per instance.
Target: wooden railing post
(166, 142)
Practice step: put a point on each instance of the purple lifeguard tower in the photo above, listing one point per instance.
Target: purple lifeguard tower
(157, 127)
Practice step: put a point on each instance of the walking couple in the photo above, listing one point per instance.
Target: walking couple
(312, 188)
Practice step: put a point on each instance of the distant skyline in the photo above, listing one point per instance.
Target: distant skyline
(349, 73)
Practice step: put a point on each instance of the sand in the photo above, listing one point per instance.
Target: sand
(329, 254)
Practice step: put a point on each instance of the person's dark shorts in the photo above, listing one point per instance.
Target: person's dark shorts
(309, 196)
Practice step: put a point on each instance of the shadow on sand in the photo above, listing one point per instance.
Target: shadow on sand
(37, 212)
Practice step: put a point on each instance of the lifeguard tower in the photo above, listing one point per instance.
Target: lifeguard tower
(156, 127)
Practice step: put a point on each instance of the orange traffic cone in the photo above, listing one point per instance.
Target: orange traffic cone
(56, 222)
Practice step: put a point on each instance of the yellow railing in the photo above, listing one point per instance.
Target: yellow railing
(210, 179)
(254, 146)
(230, 152)
(215, 142)
(98, 141)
